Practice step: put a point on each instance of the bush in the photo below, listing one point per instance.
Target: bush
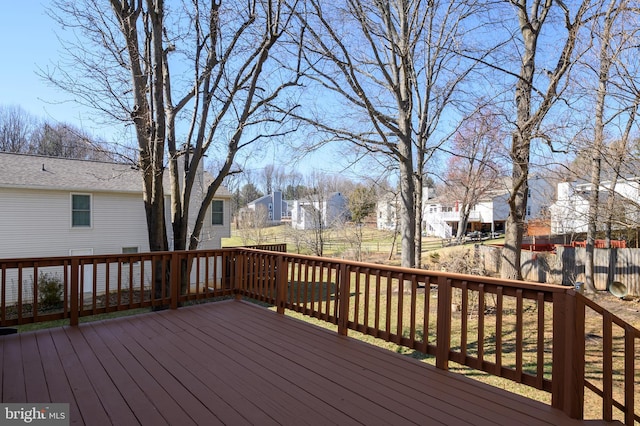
(50, 290)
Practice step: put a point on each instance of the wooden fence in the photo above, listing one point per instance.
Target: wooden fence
(566, 266)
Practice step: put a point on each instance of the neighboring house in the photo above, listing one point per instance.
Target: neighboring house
(442, 213)
(273, 206)
(309, 214)
(61, 207)
(570, 211)
(388, 209)
(388, 212)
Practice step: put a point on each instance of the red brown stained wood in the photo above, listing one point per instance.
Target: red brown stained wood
(236, 363)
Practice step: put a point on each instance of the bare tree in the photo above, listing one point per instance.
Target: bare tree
(191, 80)
(475, 169)
(614, 37)
(533, 105)
(393, 64)
(65, 140)
(361, 204)
(268, 173)
(320, 210)
(22, 132)
(16, 127)
(252, 225)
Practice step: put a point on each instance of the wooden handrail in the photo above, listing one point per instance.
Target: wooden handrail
(317, 286)
(527, 332)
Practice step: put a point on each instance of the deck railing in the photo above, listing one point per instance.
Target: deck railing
(533, 334)
(45, 289)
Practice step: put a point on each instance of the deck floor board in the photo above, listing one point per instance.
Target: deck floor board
(237, 363)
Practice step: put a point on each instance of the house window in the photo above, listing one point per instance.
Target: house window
(528, 211)
(217, 212)
(129, 250)
(80, 211)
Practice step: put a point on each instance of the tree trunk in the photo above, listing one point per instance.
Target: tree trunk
(418, 223)
(598, 144)
(462, 223)
(510, 267)
(407, 214)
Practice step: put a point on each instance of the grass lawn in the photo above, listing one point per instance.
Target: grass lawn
(377, 245)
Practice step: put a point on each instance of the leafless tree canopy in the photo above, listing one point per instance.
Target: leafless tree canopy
(192, 78)
(389, 80)
(24, 133)
(476, 168)
(387, 72)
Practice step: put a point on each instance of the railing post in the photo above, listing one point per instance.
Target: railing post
(239, 281)
(567, 392)
(343, 299)
(281, 284)
(175, 278)
(443, 330)
(75, 303)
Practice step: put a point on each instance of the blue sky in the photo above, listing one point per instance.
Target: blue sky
(29, 42)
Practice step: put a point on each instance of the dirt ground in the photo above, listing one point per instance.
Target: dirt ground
(627, 309)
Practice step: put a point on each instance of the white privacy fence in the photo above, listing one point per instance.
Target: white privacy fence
(566, 266)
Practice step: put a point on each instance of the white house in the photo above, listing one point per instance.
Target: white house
(61, 207)
(569, 212)
(388, 212)
(442, 213)
(388, 209)
(309, 214)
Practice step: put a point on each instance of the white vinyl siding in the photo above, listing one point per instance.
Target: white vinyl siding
(118, 220)
(37, 223)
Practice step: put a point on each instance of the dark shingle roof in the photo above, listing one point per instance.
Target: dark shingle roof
(40, 172)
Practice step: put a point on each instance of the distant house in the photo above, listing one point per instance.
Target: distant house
(388, 209)
(311, 214)
(442, 213)
(273, 207)
(569, 213)
(388, 212)
(61, 207)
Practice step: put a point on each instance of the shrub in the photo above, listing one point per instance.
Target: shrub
(50, 289)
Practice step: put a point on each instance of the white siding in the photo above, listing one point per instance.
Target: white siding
(210, 236)
(37, 223)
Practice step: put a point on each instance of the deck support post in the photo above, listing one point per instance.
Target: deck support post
(281, 284)
(443, 330)
(74, 301)
(343, 299)
(567, 393)
(239, 281)
(174, 282)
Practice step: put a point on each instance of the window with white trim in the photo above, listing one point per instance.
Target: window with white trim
(129, 250)
(80, 210)
(217, 212)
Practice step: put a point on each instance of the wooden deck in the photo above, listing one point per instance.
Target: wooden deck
(236, 363)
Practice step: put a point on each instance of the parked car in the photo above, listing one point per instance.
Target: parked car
(474, 235)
